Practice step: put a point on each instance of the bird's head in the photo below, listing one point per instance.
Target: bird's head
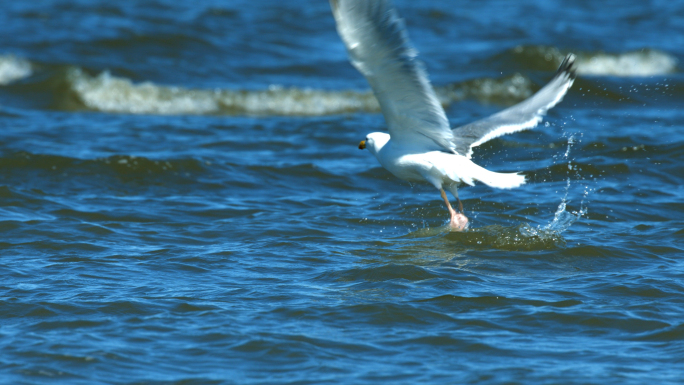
(374, 142)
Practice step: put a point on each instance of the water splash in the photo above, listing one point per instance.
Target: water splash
(523, 236)
(562, 218)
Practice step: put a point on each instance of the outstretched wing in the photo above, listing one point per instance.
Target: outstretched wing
(379, 48)
(523, 116)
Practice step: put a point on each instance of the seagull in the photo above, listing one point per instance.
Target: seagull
(421, 146)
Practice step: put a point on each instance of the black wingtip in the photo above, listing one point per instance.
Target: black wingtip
(568, 66)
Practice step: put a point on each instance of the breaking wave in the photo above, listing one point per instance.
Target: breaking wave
(640, 63)
(76, 89)
(13, 68)
(108, 93)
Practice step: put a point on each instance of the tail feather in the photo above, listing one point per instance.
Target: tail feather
(498, 179)
(466, 171)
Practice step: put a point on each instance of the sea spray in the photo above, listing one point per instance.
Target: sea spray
(562, 218)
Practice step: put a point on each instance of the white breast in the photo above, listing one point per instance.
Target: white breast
(434, 167)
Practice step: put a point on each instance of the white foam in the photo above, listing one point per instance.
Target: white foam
(628, 64)
(294, 101)
(109, 93)
(512, 88)
(113, 94)
(13, 68)
(640, 63)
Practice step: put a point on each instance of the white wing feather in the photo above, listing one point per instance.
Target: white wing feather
(523, 116)
(379, 48)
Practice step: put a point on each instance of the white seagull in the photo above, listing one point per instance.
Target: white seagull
(420, 146)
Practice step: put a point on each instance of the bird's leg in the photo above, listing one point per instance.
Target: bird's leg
(458, 220)
(460, 205)
(448, 205)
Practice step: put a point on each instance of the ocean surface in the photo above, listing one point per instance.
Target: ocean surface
(182, 200)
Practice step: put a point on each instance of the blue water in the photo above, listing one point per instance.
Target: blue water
(182, 200)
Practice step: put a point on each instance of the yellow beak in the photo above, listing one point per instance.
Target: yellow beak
(362, 145)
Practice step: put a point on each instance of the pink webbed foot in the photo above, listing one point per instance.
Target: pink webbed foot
(459, 222)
